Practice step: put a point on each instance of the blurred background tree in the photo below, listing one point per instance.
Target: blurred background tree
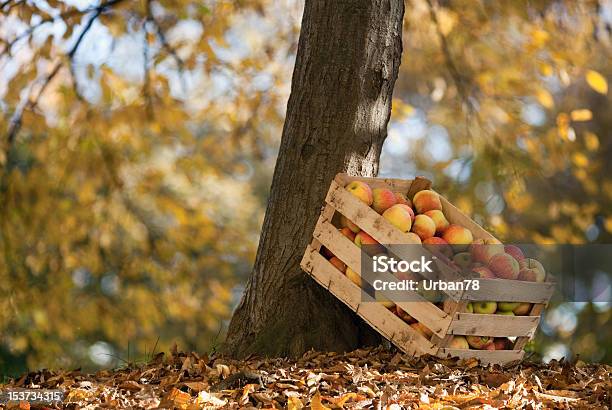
(137, 142)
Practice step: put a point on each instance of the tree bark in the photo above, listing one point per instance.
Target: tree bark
(347, 62)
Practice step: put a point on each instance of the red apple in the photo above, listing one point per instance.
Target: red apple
(439, 219)
(515, 252)
(341, 266)
(348, 233)
(382, 199)
(424, 227)
(438, 245)
(504, 266)
(401, 199)
(346, 223)
(483, 272)
(483, 249)
(458, 236)
(426, 200)
(361, 190)
(479, 342)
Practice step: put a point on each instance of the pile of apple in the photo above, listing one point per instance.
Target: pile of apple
(424, 221)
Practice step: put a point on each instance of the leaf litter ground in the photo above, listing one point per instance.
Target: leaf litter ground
(365, 378)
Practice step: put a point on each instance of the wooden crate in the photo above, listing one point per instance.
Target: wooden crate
(445, 321)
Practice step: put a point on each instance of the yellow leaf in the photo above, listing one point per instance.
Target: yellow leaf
(608, 224)
(545, 69)
(597, 81)
(400, 109)
(447, 20)
(293, 403)
(545, 98)
(316, 404)
(591, 141)
(581, 115)
(580, 159)
(539, 37)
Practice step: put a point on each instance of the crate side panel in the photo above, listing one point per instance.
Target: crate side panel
(365, 217)
(493, 325)
(422, 310)
(385, 322)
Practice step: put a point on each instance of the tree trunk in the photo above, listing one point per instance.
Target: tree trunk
(347, 62)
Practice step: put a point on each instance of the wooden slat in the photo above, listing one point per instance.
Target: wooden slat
(511, 291)
(485, 356)
(394, 184)
(421, 309)
(441, 270)
(520, 342)
(493, 325)
(374, 313)
(365, 217)
(451, 308)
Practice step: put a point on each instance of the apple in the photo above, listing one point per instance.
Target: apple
(438, 245)
(507, 306)
(362, 238)
(523, 309)
(483, 272)
(501, 312)
(422, 329)
(439, 219)
(341, 266)
(424, 227)
(409, 210)
(346, 223)
(383, 300)
(531, 270)
(361, 190)
(490, 346)
(426, 200)
(469, 308)
(403, 315)
(502, 343)
(504, 266)
(353, 276)
(483, 307)
(348, 233)
(483, 249)
(326, 252)
(399, 216)
(401, 199)
(458, 342)
(382, 199)
(515, 252)
(458, 236)
(463, 260)
(479, 342)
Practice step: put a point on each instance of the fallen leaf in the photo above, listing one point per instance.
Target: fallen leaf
(293, 403)
(316, 404)
(130, 385)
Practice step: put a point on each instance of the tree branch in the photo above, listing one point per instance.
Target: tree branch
(166, 46)
(72, 12)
